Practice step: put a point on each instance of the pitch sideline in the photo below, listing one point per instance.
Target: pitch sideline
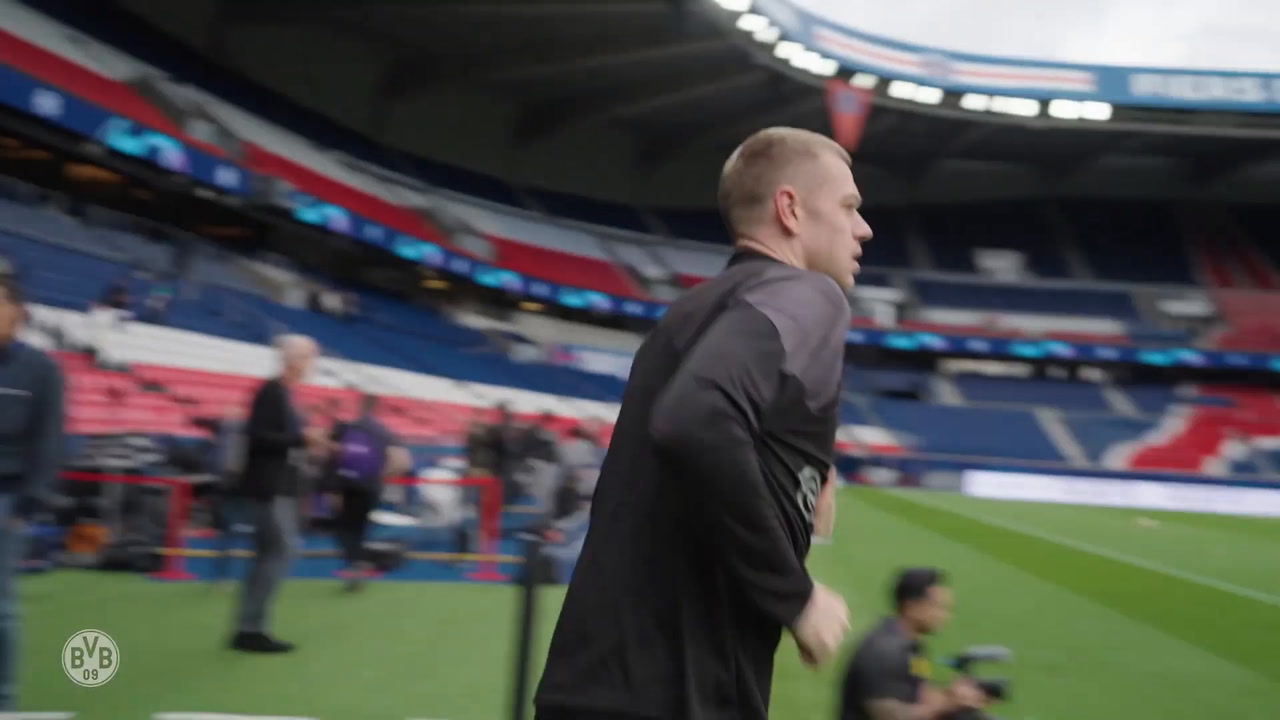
(1224, 586)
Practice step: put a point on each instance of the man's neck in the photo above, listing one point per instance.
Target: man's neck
(782, 254)
(906, 628)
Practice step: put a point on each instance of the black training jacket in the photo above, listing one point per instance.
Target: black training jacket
(702, 518)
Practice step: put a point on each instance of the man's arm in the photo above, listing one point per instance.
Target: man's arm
(934, 705)
(881, 681)
(45, 453)
(706, 423)
(268, 426)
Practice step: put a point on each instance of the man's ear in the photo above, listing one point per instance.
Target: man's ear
(786, 207)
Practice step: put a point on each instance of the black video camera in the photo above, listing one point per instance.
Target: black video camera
(996, 689)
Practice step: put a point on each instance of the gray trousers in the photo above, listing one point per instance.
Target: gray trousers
(275, 542)
(10, 552)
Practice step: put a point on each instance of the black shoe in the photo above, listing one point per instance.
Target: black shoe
(259, 642)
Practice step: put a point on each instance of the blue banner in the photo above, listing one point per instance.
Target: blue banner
(326, 215)
(962, 72)
(1045, 350)
(122, 135)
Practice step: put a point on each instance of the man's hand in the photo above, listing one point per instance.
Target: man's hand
(315, 436)
(965, 693)
(318, 442)
(822, 625)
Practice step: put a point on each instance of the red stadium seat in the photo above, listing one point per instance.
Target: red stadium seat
(565, 268)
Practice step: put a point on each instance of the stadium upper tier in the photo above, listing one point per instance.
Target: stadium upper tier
(639, 253)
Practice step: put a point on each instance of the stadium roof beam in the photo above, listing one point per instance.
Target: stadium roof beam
(542, 118)
(572, 54)
(417, 71)
(1061, 167)
(615, 54)
(796, 105)
(967, 139)
(1212, 169)
(543, 8)
(782, 100)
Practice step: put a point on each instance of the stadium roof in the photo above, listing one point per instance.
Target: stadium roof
(625, 98)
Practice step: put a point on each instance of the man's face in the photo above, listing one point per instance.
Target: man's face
(11, 315)
(831, 229)
(930, 614)
(300, 360)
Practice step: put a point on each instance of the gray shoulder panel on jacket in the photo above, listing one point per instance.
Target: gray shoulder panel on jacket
(811, 314)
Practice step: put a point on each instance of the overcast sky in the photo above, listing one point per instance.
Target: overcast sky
(1200, 34)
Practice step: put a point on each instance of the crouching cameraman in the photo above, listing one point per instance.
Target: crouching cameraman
(887, 678)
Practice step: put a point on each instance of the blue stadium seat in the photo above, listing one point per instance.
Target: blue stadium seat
(868, 381)
(878, 278)
(1260, 222)
(850, 414)
(1131, 241)
(1151, 399)
(954, 232)
(959, 430)
(888, 248)
(1099, 433)
(1115, 304)
(1063, 394)
(701, 225)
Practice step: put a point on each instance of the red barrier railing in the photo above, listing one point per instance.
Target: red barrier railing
(178, 514)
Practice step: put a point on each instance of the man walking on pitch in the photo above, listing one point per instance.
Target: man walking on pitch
(706, 503)
(275, 436)
(31, 444)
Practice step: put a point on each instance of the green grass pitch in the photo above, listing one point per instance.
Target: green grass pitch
(1110, 617)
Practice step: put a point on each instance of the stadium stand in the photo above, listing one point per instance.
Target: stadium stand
(1106, 230)
(525, 242)
(1063, 394)
(603, 248)
(173, 383)
(968, 431)
(955, 232)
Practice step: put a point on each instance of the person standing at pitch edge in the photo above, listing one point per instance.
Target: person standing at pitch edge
(704, 511)
(275, 439)
(31, 446)
(366, 454)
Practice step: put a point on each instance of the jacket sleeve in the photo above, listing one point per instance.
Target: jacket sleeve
(268, 421)
(705, 423)
(47, 446)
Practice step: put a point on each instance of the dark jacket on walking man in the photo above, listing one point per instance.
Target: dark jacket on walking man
(31, 447)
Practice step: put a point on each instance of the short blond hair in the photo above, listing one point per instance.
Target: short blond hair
(294, 345)
(756, 168)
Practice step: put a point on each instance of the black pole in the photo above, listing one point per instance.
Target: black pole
(528, 605)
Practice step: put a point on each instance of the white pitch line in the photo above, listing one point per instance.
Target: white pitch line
(218, 716)
(1104, 552)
